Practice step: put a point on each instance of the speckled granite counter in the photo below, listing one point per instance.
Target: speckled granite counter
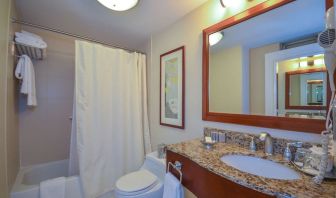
(210, 159)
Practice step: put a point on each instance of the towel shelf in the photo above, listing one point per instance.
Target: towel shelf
(177, 166)
(32, 52)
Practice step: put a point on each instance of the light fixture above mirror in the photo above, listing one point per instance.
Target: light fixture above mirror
(119, 5)
(215, 38)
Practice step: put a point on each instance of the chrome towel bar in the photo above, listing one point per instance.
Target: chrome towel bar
(177, 166)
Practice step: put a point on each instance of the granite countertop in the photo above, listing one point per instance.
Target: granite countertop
(210, 159)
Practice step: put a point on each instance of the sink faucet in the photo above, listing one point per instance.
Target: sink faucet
(267, 138)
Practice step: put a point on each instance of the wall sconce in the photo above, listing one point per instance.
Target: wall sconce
(215, 38)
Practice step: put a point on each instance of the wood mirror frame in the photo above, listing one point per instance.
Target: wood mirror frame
(285, 123)
(305, 107)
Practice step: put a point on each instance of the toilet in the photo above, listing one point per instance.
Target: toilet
(144, 183)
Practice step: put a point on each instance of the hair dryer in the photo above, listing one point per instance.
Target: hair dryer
(330, 62)
(326, 39)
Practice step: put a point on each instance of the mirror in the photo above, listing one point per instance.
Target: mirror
(306, 89)
(268, 66)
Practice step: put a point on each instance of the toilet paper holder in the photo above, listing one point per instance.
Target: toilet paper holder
(177, 166)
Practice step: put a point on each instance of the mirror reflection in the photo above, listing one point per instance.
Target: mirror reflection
(276, 69)
(307, 89)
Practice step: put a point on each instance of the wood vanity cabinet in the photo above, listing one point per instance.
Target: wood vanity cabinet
(206, 184)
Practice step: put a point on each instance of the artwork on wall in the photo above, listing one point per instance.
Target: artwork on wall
(172, 88)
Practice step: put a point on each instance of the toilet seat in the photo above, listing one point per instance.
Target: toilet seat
(136, 183)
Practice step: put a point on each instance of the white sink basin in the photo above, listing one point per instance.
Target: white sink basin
(260, 167)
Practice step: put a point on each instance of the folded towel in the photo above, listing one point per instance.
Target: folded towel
(30, 39)
(31, 42)
(53, 188)
(31, 34)
(25, 72)
(172, 187)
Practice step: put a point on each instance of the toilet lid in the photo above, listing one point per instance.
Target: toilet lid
(136, 181)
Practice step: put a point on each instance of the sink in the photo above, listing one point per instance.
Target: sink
(260, 167)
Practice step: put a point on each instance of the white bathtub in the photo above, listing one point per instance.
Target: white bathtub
(28, 180)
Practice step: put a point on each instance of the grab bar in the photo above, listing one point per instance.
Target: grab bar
(177, 166)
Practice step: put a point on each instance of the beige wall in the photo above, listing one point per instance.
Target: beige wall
(226, 70)
(13, 157)
(4, 13)
(9, 144)
(295, 90)
(257, 77)
(45, 130)
(188, 32)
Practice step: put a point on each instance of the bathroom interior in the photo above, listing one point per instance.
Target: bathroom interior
(167, 98)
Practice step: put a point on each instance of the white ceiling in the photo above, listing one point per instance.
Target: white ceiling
(129, 29)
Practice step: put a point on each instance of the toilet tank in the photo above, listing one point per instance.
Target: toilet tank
(155, 165)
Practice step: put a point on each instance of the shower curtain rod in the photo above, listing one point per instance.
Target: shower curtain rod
(72, 35)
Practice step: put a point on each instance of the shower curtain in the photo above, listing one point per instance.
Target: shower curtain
(110, 121)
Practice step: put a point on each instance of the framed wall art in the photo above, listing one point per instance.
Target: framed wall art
(172, 88)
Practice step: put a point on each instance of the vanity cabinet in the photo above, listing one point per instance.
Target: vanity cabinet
(205, 184)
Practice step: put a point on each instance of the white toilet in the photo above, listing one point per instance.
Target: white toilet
(144, 183)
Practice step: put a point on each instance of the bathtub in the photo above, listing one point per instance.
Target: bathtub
(27, 184)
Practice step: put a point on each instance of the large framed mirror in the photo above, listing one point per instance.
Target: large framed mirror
(264, 68)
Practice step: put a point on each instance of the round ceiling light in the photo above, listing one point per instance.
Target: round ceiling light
(119, 5)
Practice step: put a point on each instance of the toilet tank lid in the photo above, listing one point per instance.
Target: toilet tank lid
(153, 156)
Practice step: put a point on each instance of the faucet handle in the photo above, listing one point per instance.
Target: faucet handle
(287, 155)
(253, 146)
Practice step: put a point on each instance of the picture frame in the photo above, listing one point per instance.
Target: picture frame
(172, 88)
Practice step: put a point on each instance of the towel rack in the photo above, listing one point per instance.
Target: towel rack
(32, 52)
(177, 166)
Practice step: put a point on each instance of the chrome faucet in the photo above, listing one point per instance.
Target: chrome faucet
(267, 138)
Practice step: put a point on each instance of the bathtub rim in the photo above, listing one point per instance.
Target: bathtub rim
(18, 184)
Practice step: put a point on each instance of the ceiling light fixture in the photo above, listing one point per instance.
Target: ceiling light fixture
(215, 38)
(119, 5)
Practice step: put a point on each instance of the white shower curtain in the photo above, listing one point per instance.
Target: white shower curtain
(110, 115)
